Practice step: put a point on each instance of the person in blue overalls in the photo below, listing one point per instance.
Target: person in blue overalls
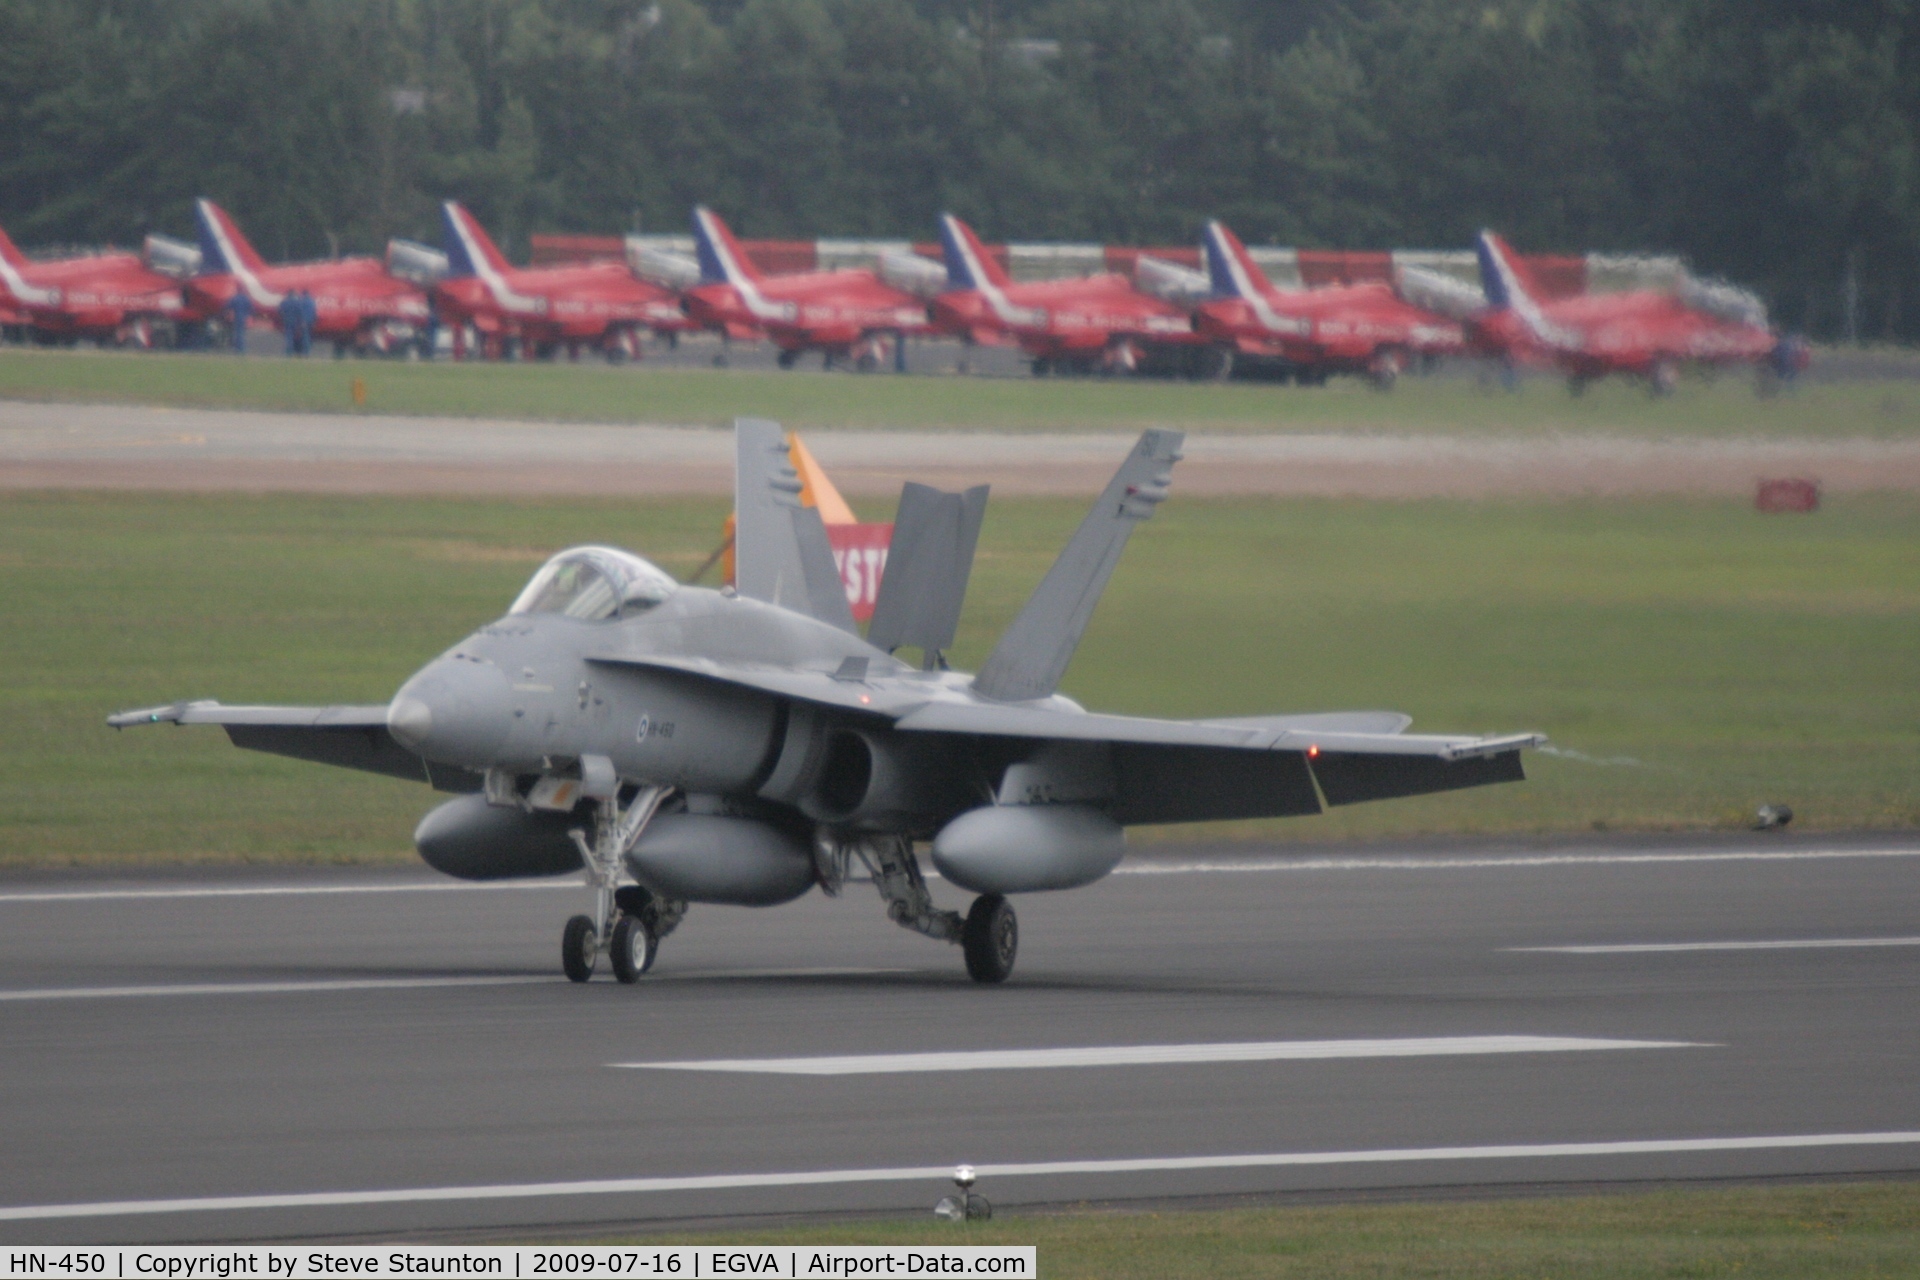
(289, 312)
(309, 317)
(240, 309)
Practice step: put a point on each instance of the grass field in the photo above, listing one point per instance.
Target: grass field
(1694, 659)
(1755, 1233)
(596, 393)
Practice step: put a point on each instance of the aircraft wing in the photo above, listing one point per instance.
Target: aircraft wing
(1265, 767)
(351, 737)
(1172, 770)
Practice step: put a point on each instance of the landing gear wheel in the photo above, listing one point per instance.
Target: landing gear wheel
(786, 359)
(633, 948)
(579, 949)
(990, 939)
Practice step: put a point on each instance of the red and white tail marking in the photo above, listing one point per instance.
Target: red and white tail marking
(11, 263)
(721, 255)
(1235, 274)
(245, 265)
(979, 270)
(1508, 283)
(488, 262)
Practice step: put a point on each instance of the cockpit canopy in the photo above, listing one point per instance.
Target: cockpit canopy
(593, 583)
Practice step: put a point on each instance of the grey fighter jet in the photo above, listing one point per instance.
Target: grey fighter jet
(746, 745)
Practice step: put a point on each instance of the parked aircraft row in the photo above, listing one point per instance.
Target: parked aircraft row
(1166, 315)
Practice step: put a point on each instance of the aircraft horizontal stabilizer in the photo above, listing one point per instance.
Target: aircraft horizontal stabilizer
(1034, 653)
(1171, 282)
(781, 552)
(1439, 293)
(928, 566)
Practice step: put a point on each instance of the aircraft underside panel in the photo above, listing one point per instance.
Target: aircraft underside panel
(366, 747)
(1205, 784)
(1351, 778)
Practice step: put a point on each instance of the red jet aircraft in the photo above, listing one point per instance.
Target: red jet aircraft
(356, 303)
(1644, 333)
(112, 297)
(1061, 324)
(1353, 328)
(838, 313)
(597, 304)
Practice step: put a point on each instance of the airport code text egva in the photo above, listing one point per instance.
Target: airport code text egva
(683, 1262)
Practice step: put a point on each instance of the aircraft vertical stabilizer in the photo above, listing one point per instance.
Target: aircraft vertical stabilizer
(1509, 285)
(1232, 269)
(470, 250)
(781, 552)
(1034, 653)
(722, 260)
(222, 246)
(969, 265)
(12, 284)
(931, 559)
(9, 252)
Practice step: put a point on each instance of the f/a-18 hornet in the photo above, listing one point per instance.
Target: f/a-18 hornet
(746, 745)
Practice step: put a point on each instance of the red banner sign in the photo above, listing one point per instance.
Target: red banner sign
(860, 553)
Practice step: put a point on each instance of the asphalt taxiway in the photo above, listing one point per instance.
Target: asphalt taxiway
(342, 1053)
(127, 447)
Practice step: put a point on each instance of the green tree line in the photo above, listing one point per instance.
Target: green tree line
(1776, 142)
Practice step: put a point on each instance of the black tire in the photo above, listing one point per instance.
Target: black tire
(991, 939)
(786, 359)
(633, 948)
(579, 949)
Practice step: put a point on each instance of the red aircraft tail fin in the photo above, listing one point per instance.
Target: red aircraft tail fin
(470, 250)
(722, 260)
(10, 254)
(969, 265)
(222, 247)
(1231, 268)
(1510, 285)
(1505, 276)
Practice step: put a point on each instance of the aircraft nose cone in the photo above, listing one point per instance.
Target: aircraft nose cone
(456, 711)
(410, 721)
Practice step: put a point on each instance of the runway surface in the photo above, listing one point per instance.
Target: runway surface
(128, 447)
(351, 1053)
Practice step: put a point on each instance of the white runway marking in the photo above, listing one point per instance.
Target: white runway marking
(277, 891)
(1140, 1055)
(939, 1174)
(1141, 868)
(1230, 866)
(820, 971)
(264, 988)
(1787, 944)
(405, 984)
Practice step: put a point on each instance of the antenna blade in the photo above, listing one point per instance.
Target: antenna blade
(1034, 653)
(781, 552)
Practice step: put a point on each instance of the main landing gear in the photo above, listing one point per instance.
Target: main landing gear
(628, 922)
(988, 936)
